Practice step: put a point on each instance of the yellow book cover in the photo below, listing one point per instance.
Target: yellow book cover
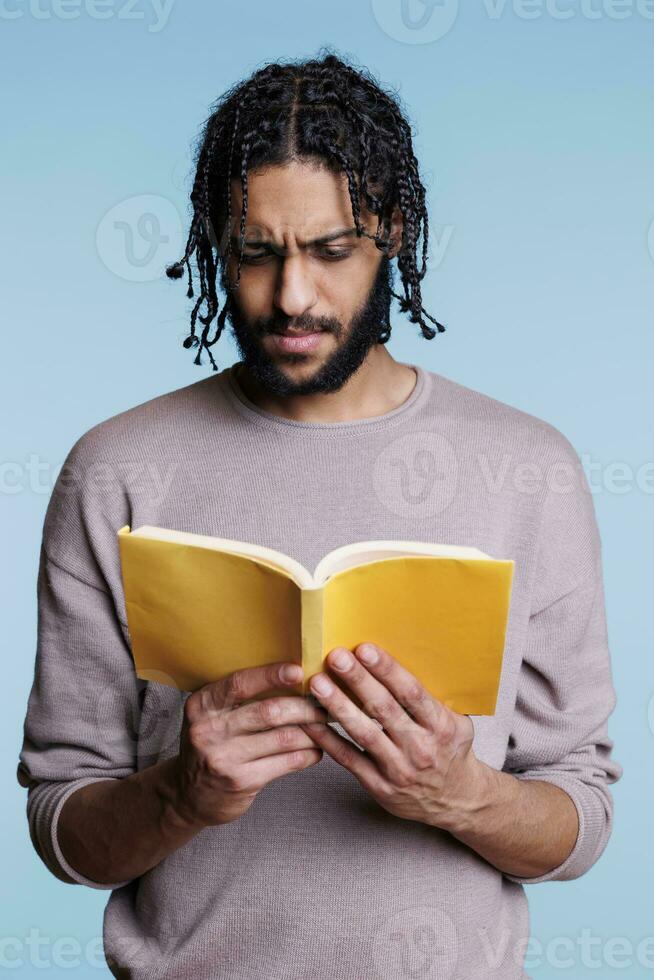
(200, 607)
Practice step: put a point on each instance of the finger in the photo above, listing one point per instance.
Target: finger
(364, 730)
(276, 741)
(261, 715)
(376, 699)
(356, 760)
(403, 685)
(254, 775)
(242, 685)
(261, 745)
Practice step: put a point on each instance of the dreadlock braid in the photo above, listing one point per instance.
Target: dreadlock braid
(320, 109)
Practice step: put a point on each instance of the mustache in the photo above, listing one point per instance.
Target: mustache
(303, 324)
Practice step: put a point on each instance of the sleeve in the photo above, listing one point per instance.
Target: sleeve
(81, 723)
(565, 689)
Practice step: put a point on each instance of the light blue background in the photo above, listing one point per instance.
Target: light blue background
(536, 141)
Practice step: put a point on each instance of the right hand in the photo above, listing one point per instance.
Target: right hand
(230, 750)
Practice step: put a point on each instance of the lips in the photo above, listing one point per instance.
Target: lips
(294, 333)
(295, 340)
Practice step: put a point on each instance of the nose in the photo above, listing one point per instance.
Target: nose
(295, 291)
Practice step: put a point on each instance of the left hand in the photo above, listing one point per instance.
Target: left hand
(417, 765)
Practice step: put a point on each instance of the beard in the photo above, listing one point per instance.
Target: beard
(352, 347)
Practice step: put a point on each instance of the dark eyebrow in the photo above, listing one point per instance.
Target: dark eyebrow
(341, 233)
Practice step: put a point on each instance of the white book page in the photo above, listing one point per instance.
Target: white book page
(363, 552)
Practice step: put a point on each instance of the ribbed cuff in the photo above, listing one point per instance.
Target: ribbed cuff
(594, 829)
(47, 800)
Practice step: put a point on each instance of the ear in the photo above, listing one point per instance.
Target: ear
(397, 226)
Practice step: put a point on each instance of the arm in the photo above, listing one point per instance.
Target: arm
(81, 726)
(81, 732)
(109, 799)
(524, 828)
(548, 815)
(117, 829)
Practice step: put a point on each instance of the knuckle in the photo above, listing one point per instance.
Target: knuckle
(196, 705)
(286, 736)
(403, 778)
(269, 712)
(422, 754)
(364, 739)
(415, 695)
(344, 755)
(368, 736)
(235, 782)
(234, 687)
(384, 790)
(444, 730)
(218, 768)
(388, 709)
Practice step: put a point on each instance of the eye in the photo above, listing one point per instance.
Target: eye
(256, 259)
(323, 252)
(334, 254)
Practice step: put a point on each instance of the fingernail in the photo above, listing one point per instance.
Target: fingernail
(321, 684)
(341, 659)
(291, 673)
(368, 655)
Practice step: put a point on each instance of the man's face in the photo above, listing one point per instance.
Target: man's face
(336, 292)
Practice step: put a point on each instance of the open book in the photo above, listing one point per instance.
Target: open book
(200, 607)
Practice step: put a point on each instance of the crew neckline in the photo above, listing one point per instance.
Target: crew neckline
(242, 404)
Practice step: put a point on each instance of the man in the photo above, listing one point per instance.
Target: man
(244, 836)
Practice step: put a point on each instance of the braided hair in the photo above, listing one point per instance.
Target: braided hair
(322, 109)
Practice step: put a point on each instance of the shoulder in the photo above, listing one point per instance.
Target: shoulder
(122, 459)
(511, 450)
(149, 427)
(480, 418)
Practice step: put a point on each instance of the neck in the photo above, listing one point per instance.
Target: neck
(380, 385)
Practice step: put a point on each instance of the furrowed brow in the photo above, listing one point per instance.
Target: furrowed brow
(322, 240)
(341, 233)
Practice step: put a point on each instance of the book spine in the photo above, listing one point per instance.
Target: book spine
(312, 633)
